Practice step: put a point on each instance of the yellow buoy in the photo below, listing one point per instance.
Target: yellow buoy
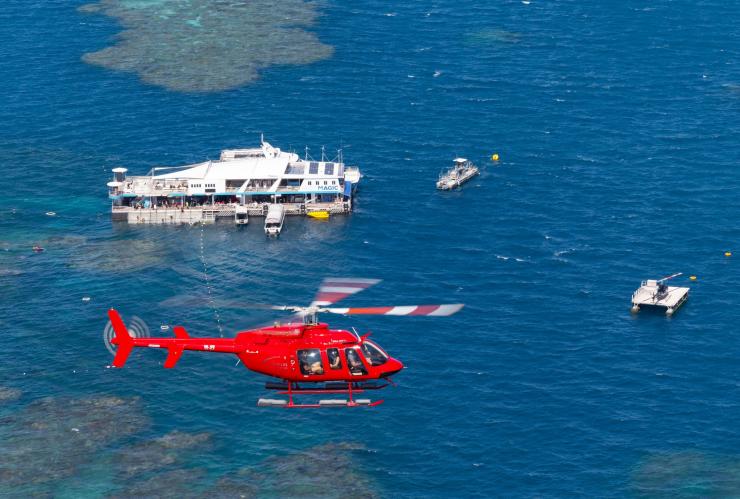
(728, 253)
(321, 215)
(693, 277)
(494, 157)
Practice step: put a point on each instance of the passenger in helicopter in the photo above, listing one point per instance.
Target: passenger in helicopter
(316, 368)
(335, 361)
(353, 361)
(310, 361)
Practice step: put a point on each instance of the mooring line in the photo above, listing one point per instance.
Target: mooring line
(209, 288)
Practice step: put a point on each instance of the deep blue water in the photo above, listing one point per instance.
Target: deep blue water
(617, 124)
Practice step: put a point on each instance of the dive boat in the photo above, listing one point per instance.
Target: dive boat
(462, 171)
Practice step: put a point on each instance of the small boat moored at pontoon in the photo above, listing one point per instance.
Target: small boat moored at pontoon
(274, 219)
(241, 215)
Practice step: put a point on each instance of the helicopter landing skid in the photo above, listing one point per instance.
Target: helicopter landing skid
(292, 389)
(326, 387)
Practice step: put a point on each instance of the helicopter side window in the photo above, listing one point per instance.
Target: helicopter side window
(353, 361)
(310, 361)
(335, 360)
(374, 354)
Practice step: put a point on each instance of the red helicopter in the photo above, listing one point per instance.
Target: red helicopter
(307, 356)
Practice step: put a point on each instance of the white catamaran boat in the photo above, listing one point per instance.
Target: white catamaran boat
(241, 183)
(462, 171)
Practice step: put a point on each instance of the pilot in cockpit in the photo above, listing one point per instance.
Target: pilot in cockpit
(354, 362)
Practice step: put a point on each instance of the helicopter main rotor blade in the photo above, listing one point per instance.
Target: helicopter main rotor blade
(670, 277)
(288, 308)
(421, 310)
(334, 289)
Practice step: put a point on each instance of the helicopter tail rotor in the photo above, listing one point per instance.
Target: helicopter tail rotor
(121, 337)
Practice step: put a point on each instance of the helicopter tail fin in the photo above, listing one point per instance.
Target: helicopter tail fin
(180, 332)
(175, 352)
(122, 338)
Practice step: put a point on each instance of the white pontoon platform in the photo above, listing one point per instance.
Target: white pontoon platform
(657, 294)
(240, 184)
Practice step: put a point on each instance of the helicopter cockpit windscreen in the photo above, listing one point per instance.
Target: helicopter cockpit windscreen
(373, 353)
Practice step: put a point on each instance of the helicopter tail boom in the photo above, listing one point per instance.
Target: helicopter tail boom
(175, 347)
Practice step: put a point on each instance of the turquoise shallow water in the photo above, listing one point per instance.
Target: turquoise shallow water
(617, 126)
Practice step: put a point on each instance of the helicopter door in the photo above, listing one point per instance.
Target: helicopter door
(356, 367)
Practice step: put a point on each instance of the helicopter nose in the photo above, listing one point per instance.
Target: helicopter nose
(392, 367)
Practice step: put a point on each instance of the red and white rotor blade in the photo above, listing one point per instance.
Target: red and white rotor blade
(670, 277)
(423, 310)
(334, 289)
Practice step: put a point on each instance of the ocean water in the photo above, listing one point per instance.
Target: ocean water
(617, 127)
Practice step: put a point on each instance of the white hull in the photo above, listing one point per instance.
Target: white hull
(447, 183)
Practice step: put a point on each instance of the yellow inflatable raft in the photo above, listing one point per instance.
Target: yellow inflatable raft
(321, 215)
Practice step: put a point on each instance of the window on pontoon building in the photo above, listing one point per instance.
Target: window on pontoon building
(335, 360)
(373, 353)
(294, 169)
(353, 362)
(235, 183)
(310, 361)
(329, 169)
(313, 168)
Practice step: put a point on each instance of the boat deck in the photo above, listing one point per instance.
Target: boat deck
(671, 299)
(457, 176)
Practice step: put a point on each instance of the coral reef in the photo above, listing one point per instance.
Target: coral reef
(52, 442)
(687, 474)
(51, 438)
(8, 394)
(207, 45)
(158, 453)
